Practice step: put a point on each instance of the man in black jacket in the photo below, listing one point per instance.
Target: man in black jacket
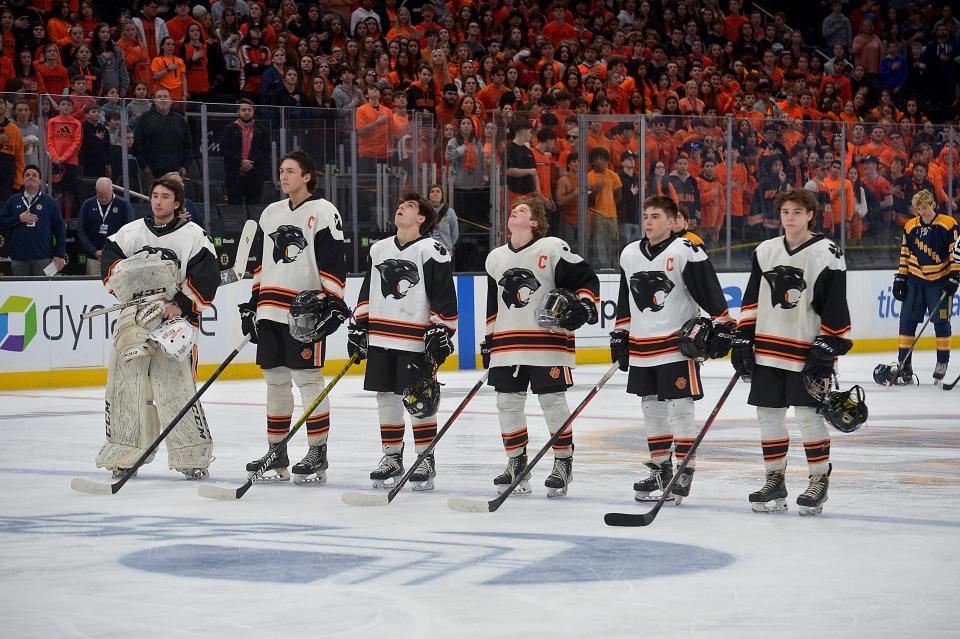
(162, 139)
(245, 147)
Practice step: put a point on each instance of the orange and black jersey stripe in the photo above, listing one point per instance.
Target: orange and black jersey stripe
(531, 340)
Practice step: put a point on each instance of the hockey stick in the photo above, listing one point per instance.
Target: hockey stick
(229, 494)
(474, 506)
(645, 519)
(231, 275)
(156, 297)
(369, 499)
(891, 374)
(952, 384)
(99, 488)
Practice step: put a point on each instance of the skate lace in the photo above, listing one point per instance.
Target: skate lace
(388, 463)
(815, 489)
(559, 469)
(312, 457)
(685, 480)
(425, 467)
(771, 485)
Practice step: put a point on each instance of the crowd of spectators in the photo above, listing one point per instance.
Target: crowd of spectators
(500, 84)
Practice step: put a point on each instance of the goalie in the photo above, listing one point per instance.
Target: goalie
(150, 371)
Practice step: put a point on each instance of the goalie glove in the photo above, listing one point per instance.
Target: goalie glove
(149, 316)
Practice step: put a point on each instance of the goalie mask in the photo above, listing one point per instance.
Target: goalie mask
(844, 410)
(305, 316)
(695, 338)
(423, 398)
(176, 337)
(552, 308)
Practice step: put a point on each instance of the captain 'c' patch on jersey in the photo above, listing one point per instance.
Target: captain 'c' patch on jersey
(518, 285)
(397, 277)
(786, 285)
(288, 243)
(650, 289)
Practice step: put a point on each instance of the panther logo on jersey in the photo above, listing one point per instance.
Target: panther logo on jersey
(288, 243)
(786, 285)
(397, 277)
(519, 285)
(650, 289)
(165, 253)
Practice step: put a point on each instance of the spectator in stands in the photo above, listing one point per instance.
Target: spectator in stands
(240, 9)
(100, 217)
(464, 155)
(11, 155)
(135, 56)
(628, 208)
(376, 129)
(63, 144)
(196, 57)
(162, 139)
(36, 228)
(151, 29)
(169, 71)
(446, 230)
(246, 147)
(29, 131)
(109, 58)
(603, 197)
(521, 167)
(254, 58)
(95, 143)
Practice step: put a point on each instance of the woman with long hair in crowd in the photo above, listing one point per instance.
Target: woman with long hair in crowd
(109, 57)
(195, 56)
(403, 71)
(170, 71)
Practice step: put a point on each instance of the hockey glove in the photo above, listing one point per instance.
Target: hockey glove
(900, 287)
(357, 342)
(335, 314)
(437, 344)
(577, 314)
(823, 352)
(248, 320)
(485, 353)
(951, 284)
(720, 340)
(742, 356)
(149, 316)
(620, 349)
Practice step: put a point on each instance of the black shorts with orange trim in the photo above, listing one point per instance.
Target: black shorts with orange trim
(387, 370)
(778, 388)
(276, 348)
(675, 380)
(539, 379)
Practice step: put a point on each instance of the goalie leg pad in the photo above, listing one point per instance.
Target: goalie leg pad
(555, 412)
(189, 444)
(681, 422)
(130, 418)
(656, 419)
(513, 423)
(311, 383)
(774, 437)
(279, 402)
(816, 439)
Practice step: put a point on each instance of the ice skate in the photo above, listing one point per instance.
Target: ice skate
(194, 473)
(774, 490)
(388, 472)
(422, 477)
(682, 488)
(560, 477)
(904, 376)
(939, 372)
(313, 467)
(811, 500)
(515, 466)
(660, 476)
(277, 470)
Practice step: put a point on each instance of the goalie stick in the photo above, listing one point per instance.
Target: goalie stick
(370, 499)
(645, 519)
(227, 276)
(229, 494)
(99, 488)
(474, 506)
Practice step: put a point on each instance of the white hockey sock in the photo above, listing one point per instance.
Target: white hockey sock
(681, 422)
(774, 438)
(513, 423)
(816, 439)
(390, 409)
(659, 436)
(555, 412)
(311, 384)
(279, 402)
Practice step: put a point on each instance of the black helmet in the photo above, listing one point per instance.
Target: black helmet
(305, 315)
(695, 338)
(846, 411)
(423, 398)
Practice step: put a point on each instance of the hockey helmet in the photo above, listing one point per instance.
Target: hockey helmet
(695, 338)
(305, 315)
(846, 411)
(886, 374)
(176, 337)
(423, 398)
(552, 308)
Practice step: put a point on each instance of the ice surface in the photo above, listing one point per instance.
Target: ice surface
(157, 560)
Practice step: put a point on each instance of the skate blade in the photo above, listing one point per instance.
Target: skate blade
(808, 511)
(464, 505)
(319, 477)
(278, 474)
(556, 492)
(780, 506)
(421, 486)
(381, 484)
(522, 488)
(677, 500)
(364, 499)
(646, 498)
(90, 487)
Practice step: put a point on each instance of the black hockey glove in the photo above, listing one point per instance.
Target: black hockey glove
(900, 287)
(578, 313)
(742, 356)
(620, 349)
(437, 344)
(720, 340)
(485, 353)
(421, 367)
(951, 284)
(335, 314)
(823, 352)
(248, 320)
(357, 342)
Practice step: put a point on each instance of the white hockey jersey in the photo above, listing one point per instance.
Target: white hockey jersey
(661, 287)
(517, 281)
(198, 276)
(406, 288)
(792, 297)
(299, 249)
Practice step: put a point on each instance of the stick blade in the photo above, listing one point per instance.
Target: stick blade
(628, 519)
(364, 499)
(218, 492)
(91, 487)
(464, 505)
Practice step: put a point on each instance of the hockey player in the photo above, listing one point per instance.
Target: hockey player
(147, 385)
(927, 270)
(301, 242)
(521, 353)
(405, 318)
(793, 323)
(665, 279)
